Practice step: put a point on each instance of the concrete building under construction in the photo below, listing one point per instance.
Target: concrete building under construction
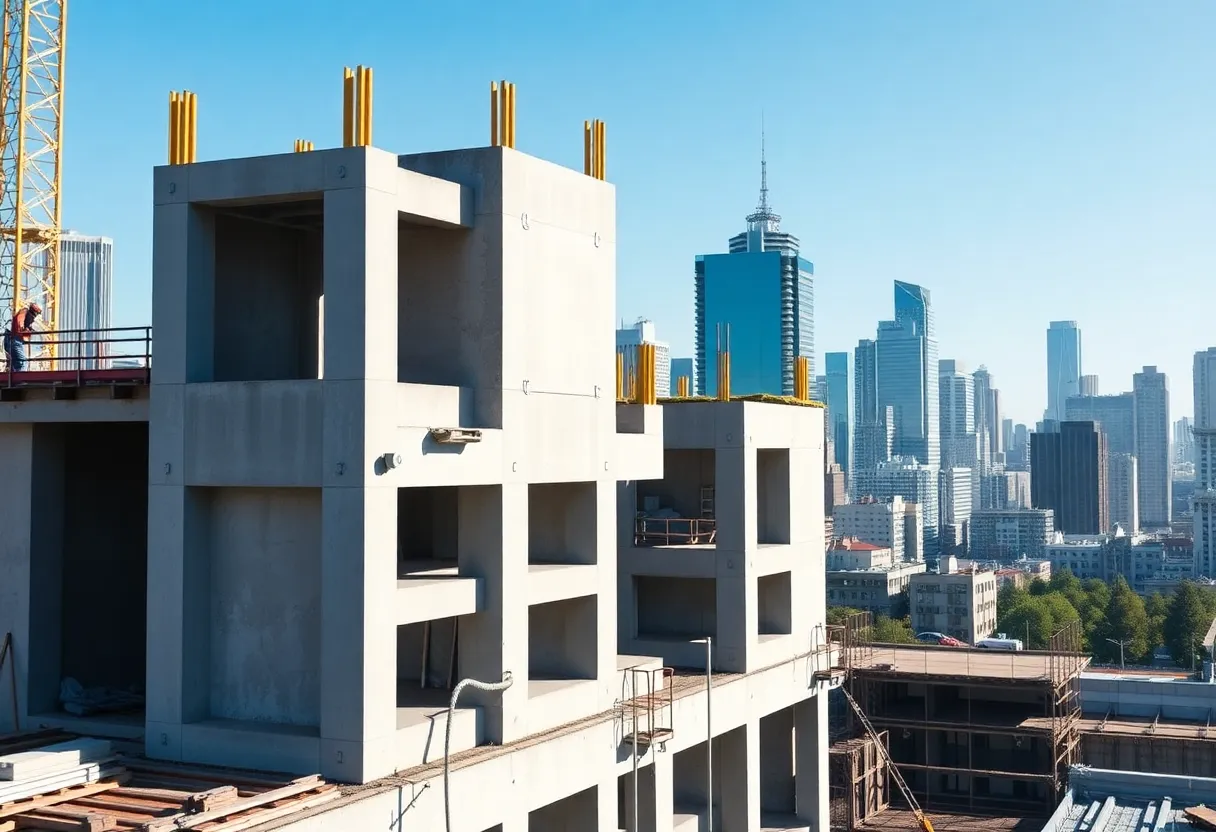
(972, 731)
(379, 456)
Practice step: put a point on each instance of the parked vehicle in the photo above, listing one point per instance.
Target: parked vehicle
(999, 643)
(940, 639)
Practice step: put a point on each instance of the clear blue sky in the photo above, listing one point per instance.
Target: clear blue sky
(1026, 161)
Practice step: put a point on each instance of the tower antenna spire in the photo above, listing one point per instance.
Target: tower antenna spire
(763, 217)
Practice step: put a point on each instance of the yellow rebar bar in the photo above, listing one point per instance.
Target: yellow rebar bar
(587, 148)
(493, 114)
(511, 117)
(504, 117)
(365, 106)
(620, 375)
(603, 154)
(348, 107)
(192, 132)
(173, 128)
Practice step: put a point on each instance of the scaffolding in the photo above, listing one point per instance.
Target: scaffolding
(859, 784)
(972, 730)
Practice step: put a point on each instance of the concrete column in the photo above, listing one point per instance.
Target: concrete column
(808, 591)
(359, 506)
(737, 778)
(738, 607)
(606, 806)
(183, 296)
(17, 458)
(811, 761)
(664, 791)
(493, 546)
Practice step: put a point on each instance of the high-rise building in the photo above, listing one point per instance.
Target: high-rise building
(987, 417)
(907, 478)
(872, 425)
(628, 339)
(1007, 534)
(86, 283)
(1068, 470)
(839, 381)
(908, 375)
(683, 368)
(1204, 502)
(1088, 386)
(1151, 391)
(1122, 491)
(759, 301)
(880, 522)
(1116, 414)
(956, 416)
(1184, 440)
(1006, 436)
(1063, 367)
(1017, 455)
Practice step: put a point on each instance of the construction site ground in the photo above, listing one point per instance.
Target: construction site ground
(896, 819)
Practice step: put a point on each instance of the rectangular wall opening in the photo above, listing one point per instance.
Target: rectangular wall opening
(773, 496)
(562, 523)
(449, 317)
(676, 609)
(576, 813)
(774, 604)
(563, 640)
(427, 665)
(679, 510)
(89, 552)
(268, 284)
(428, 531)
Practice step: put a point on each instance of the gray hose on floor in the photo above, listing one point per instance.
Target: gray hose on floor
(491, 687)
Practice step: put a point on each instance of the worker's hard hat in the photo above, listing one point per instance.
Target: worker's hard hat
(36, 309)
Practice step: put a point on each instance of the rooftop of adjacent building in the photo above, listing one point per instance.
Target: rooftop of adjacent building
(966, 663)
(854, 544)
(1101, 799)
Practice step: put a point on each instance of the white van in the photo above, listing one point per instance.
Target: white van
(999, 643)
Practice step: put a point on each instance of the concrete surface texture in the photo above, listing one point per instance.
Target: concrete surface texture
(382, 455)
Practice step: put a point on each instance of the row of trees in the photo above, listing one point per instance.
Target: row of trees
(1113, 619)
(1116, 623)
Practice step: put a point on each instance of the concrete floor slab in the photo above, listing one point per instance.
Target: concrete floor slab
(559, 581)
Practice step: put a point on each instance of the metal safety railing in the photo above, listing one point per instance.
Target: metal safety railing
(674, 531)
(81, 356)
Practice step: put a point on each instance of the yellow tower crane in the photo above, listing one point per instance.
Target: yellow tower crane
(31, 103)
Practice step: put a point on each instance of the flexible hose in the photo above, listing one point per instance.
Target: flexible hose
(491, 687)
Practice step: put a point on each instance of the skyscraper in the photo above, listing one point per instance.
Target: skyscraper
(1151, 391)
(86, 282)
(908, 375)
(1205, 463)
(1088, 385)
(643, 332)
(987, 417)
(956, 416)
(1063, 368)
(763, 293)
(839, 382)
(1068, 474)
(871, 425)
(1184, 440)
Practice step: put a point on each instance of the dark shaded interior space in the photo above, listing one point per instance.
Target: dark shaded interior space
(89, 563)
(268, 284)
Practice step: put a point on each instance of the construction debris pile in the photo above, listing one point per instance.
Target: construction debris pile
(55, 781)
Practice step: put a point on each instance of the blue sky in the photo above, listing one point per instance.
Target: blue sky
(1026, 161)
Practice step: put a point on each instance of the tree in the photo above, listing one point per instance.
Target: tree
(1157, 607)
(892, 630)
(837, 615)
(1039, 587)
(1030, 620)
(1008, 597)
(1187, 623)
(1125, 622)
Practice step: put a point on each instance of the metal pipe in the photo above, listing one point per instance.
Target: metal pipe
(709, 730)
(491, 687)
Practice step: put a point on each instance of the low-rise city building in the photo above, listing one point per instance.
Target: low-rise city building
(958, 604)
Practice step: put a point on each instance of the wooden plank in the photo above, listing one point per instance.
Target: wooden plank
(1202, 816)
(257, 818)
(300, 786)
(210, 799)
(61, 796)
(53, 759)
(92, 823)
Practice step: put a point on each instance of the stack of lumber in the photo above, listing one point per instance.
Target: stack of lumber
(25, 774)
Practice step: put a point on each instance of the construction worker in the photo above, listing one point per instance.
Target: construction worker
(18, 335)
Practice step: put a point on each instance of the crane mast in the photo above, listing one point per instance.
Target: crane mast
(31, 103)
